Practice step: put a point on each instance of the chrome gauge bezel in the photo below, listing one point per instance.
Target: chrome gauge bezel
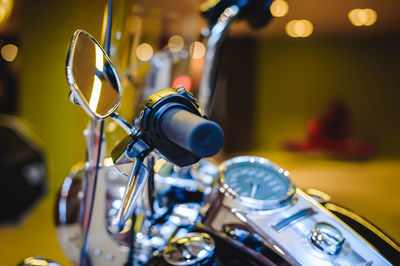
(250, 202)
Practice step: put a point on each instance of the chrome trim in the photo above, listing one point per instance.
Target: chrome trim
(131, 196)
(295, 239)
(37, 260)
(293, 244)
(69, 230)
(304, 213)
(327, 239)
(318, 195)
(102, 247)
(254, 203)
(74, 88)
(124, 124)
(191, 249)
(96, 153)
(364, 222)
(209, 75)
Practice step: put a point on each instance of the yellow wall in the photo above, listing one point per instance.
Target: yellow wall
(297, 78)
(46, 29)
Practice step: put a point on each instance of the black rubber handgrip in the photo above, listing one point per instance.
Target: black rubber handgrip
(200, 136)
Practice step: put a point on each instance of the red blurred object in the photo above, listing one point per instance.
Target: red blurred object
(182, 80)
(329, 133)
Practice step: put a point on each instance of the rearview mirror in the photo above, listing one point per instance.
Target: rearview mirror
(91, 76)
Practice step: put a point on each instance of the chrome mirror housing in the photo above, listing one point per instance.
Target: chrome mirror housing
(93, 80)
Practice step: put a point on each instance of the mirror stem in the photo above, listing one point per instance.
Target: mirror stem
(125, 125)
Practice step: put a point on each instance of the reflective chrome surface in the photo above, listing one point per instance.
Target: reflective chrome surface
(317, 195)
(112, 249)
(209, 75)
(131, 196)
(38, 261)
(327, 238)
(125, 125)
(297, 222)
(294, 218)
(103, 248)
(91, 76)
(256, 182)
(189, 250)
(220, 211)
(68, 213)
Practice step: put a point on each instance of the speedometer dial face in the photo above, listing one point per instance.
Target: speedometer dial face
(257, 181)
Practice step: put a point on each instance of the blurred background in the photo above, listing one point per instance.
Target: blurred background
(316, 91)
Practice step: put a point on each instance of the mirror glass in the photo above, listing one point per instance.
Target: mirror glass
(91, 76)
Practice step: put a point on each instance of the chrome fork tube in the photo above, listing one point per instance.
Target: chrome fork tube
(94, 143)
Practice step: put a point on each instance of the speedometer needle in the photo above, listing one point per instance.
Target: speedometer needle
(253, 190)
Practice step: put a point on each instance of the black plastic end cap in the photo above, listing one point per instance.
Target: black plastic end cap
(206, 139)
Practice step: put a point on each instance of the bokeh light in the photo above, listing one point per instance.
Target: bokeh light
(355, 18)
(182, 80)
(5, 9)
(9, 52)
(279, 8)
(197, 50)
(362, 17)
(176, 43)
(299, 28)
(372, 16)
(144, 52)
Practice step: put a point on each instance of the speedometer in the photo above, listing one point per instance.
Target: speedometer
(257, 182)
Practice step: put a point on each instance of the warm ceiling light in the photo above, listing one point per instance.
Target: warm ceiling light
(362, 17)
(289, 28)
(371, 16)
(197, 50)
(299, 28)
(176, 43)
(144, 52)
(5, 9)
(354, 17)
(184, 80)
(279, 8)
(9, 52)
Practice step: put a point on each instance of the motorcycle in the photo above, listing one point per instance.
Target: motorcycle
(156, 201)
